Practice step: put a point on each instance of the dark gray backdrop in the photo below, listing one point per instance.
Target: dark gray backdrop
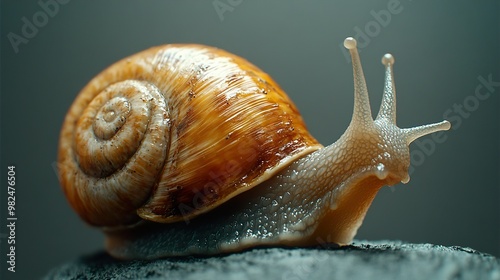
(441, 49)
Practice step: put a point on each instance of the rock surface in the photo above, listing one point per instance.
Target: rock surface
(362, 260)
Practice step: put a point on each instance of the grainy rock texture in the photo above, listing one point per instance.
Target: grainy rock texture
(362, 260)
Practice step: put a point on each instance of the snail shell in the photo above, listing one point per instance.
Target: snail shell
(188, 149)
(174, 131)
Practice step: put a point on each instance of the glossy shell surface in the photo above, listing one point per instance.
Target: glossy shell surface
(172, 132)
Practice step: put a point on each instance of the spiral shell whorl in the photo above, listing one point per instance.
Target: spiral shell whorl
(172, 132)
(120, 145)
(115, 124)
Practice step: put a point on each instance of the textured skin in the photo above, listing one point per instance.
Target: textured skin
(173, 132)
(322, 197)
(302, 200)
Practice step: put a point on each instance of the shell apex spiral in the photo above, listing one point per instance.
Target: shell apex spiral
(172, 132)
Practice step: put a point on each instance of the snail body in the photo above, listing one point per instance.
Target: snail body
(188, 149)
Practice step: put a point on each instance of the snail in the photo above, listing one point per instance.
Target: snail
(191, 150)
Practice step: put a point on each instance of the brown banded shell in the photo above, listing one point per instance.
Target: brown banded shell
(172, 132)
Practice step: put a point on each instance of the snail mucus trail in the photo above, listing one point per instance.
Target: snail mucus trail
(140, 141)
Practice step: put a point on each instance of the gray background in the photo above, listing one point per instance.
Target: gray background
(441, 48)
